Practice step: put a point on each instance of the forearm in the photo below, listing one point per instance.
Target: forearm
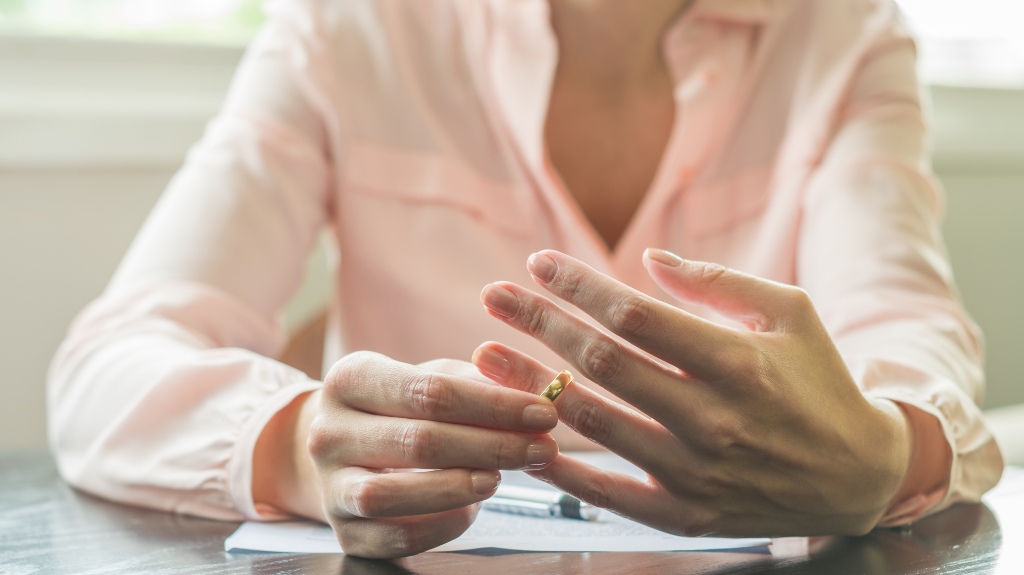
(143, 411)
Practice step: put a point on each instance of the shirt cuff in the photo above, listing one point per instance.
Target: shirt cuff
(935, 498)
(240, 470)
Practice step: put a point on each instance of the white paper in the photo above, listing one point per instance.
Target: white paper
(494, 529)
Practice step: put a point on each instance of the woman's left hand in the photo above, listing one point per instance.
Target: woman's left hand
(758, 432)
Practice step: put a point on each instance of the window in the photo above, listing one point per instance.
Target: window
(963, 42)
(221, 21)
(973, 42)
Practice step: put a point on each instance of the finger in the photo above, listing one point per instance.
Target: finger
(365, 440)
(608, 423)
(629, 497)
(358, 492)
(375, 384)
(693, 344)
(763, 305)
(402, 536)
(620, 369)
(456, 368)
(495, 360)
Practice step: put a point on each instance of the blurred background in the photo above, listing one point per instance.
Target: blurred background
(100, 99)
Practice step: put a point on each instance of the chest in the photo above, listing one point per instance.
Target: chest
(607, 148)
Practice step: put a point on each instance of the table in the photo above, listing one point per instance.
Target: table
(46, 527)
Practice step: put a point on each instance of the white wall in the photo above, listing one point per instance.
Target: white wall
(985, 232)
(91, 131)
(979, 156)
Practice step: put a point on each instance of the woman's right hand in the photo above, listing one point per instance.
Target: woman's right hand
(379, 420)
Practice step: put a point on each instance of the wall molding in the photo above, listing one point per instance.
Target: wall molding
(978, 129)
(82, 103)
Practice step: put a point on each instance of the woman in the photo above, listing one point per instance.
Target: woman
(828, 387)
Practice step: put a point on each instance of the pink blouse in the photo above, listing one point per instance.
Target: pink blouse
(412, 132)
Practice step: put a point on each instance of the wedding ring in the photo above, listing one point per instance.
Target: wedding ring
(556, 387)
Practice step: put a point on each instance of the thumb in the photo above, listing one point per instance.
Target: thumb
(759, 303)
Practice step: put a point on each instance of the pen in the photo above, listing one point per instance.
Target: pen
(540, 503)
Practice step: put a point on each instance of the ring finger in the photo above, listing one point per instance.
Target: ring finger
(650, 387)
(613, 425)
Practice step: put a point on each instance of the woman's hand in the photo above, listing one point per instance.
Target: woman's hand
(377, 421)
(758, 432)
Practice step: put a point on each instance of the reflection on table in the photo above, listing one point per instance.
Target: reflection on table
(47, 527)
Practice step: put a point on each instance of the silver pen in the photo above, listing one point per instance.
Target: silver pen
(540, 503)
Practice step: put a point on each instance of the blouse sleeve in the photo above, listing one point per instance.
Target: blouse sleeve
(873, 260)
(162, 386)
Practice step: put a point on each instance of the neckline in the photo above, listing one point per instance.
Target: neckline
(662, 182)
(521, 63)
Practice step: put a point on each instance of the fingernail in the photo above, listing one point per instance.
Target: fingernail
(485, 481)
(492, 363)
(501, 301)
(542, 267)
(664, 258)
(541, 453)
(540, 417)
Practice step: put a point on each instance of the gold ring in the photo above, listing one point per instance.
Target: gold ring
(556, 387)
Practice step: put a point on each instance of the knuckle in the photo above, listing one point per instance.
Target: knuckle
(710, 274)
(409, 541)
(378, 541)
(750, 365)
(417, 443)
(601, 360)
(364, 499)
(762, 371)
(430, 394)
(722, 436)
(797, 299)
(738, 362)
(402, 543)
(631, 315)
(536, 320)
(506, 455)
(337, 380)
(589, 420)
(570, 284)
(348, 537)
(320, 439)
(356, 362)
(793, 305)
(724, 441)
(501, 410)
(347, 371)
(413, 539)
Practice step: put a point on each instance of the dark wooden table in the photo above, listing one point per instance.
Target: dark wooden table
(48, 528)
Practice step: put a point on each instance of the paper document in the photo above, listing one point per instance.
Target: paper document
(494, 529)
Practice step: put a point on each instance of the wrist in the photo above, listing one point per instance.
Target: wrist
(284, 476)
(928, 470)
(894, 451)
